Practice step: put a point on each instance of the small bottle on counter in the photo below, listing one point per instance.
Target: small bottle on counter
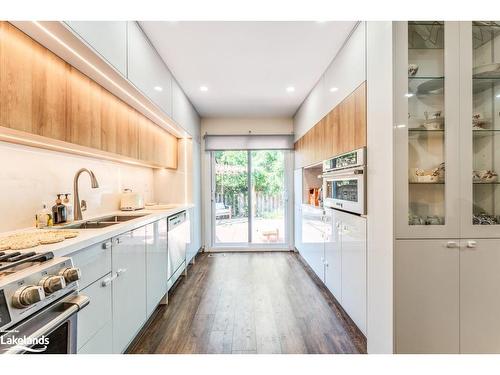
(69, 207)
(59, 211)
(43, 218)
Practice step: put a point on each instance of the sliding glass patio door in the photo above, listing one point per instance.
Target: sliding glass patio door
(249, 197)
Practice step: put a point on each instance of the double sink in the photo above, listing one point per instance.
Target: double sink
(102, 222)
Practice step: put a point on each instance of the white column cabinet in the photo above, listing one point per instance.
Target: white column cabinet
(480, 296)
(146, 69)
(108, 38)
(129, 287)
(156, 263)
(426, 292)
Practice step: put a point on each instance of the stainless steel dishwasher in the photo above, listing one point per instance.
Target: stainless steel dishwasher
(178, 238)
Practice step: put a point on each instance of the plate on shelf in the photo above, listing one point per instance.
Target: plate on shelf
(488, 71)
(433, 86)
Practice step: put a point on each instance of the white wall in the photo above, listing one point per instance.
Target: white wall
(380, 186)
(30, 176)
(346, 72)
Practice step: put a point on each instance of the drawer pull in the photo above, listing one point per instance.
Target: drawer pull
(452, 244)
(106, 245)
(471, 244)
(120, 271)
(109, 280)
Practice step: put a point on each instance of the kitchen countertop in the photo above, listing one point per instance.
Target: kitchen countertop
(89, 237)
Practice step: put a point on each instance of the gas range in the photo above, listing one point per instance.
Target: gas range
(30, 284)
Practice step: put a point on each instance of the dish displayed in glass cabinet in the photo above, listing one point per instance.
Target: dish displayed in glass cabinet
(426, 123)
(485, 122)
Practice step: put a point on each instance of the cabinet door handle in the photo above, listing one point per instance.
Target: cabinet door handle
(471, 244)
(120, 271)
(109, 280)
(451, 244)
(106, 245)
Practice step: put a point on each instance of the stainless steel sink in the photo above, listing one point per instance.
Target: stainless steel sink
(89, 225)
(102, 222)
(120, 218)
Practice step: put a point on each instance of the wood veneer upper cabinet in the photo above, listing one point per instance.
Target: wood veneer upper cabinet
(360, 117)
(343, 129)
(347, 127)
(43, 95)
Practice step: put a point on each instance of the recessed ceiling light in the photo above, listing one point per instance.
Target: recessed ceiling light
(290, 89)
(158, 88)
(203, 88)
(333, 89)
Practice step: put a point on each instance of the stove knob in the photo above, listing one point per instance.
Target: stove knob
(71, 274)
(27, 296)
(51, 284)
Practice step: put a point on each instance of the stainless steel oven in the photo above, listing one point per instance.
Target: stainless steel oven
(52, 330)
(39, 303)
(344, 180)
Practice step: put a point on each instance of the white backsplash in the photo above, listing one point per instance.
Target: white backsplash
(30, 177)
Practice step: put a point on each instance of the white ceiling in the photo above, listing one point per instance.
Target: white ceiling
(247, 66)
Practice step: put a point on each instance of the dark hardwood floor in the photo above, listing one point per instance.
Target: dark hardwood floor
(250, 303)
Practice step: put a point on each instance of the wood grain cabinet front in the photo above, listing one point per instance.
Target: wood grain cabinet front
(343, 129)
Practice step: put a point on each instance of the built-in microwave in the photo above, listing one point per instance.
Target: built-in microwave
(344, 180)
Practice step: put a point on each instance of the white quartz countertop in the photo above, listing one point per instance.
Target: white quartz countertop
(89, 237)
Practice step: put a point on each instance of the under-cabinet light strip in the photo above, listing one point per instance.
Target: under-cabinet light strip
(102, 74)
(54, 147)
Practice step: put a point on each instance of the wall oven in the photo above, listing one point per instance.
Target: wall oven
(344, 182)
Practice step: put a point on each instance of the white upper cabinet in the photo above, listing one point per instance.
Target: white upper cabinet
(480, 128)
(183, 112)
(426, 90)
(108, 38)
(146, 69)
(346, 72)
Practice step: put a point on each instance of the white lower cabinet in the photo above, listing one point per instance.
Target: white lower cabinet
(333, 243)
(156, 263)
(447, 296)
(353, 266)
(426, 292)
(129, 287)
(480, 296)
(95, 319)
(313, 239)
(333, 255)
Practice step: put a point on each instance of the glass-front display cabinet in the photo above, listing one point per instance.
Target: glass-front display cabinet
(480, 122)
(426, 68)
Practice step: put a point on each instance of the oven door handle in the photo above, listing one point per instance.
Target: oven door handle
(75, 304)
(351, 173)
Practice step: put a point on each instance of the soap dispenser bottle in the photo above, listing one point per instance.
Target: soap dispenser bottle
(43, 218)
(69, 207)
(59, 211)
